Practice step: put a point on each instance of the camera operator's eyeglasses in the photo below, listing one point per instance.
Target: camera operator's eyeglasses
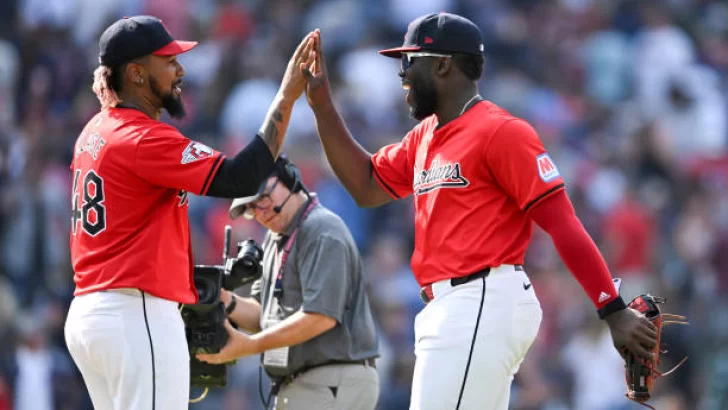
(264, 201)
(408, 58)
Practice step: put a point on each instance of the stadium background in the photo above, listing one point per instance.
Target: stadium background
(629, 97)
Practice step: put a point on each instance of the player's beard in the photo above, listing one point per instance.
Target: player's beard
(424, 99)
(170, 102)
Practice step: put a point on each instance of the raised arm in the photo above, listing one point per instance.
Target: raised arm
(350, 161)
(242, 175)
(273, 129)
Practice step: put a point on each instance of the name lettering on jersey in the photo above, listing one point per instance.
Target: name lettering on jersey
(194, 151)
(438, 176)
(183, 197)
(91, 143)
(546, 168)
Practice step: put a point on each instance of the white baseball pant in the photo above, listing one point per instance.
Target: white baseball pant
(470, 341)
(131, 349)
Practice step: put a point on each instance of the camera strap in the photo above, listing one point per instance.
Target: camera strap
(278, 289)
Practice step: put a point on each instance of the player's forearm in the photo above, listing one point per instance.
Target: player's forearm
(349, 160)
(246, 314)
(576, 248)
(295, 329)
(273, 130)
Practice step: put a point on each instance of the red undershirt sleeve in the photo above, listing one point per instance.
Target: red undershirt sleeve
(555, 215)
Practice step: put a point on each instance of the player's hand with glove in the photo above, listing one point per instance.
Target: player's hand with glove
(641, 372)
(630, 329)
(238, 345)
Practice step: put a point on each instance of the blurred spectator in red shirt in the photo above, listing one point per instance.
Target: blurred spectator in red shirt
(628, 243)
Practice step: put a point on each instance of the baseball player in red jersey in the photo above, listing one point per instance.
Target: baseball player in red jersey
(479, 177)
(130, 236)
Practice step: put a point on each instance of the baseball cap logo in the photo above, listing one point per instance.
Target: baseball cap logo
(429, 40)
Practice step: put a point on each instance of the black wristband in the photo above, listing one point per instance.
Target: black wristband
(615, 305)
(233, 302)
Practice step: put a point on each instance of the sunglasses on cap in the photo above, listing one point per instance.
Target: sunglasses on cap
(408, 58)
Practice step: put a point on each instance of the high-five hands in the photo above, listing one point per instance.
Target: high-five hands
(318, 90)
(294, 79)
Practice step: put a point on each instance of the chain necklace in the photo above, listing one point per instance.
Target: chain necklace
(468, 103)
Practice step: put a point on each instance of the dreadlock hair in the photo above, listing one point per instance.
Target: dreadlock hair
(107, 81)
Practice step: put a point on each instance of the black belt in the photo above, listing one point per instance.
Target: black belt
(426, 291)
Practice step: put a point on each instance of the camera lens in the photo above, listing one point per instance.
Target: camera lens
(205, 290)
(246, 267)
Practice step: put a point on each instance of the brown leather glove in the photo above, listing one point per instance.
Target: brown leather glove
(640, 374)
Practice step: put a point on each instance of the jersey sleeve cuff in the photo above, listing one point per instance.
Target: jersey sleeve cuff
(211, 174)
(543, 196)
(381, 182)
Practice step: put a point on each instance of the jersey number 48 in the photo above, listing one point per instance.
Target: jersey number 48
(92, 213)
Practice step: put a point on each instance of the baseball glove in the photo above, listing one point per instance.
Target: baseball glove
(641, 374)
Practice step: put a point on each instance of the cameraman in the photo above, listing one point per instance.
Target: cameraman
(309, 311)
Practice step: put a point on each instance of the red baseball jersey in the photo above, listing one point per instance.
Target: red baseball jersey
(473, 180)
(129, 224)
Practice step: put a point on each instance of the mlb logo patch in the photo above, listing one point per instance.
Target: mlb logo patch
(195, 151)
(546, 168)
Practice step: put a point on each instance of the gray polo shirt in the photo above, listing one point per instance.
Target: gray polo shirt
(322, 275)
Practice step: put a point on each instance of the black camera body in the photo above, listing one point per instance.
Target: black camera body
(204, 321)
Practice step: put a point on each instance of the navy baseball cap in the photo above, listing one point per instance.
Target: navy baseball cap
(443, 32)
(138, 36)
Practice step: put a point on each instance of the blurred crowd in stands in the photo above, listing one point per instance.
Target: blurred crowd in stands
(629, 96)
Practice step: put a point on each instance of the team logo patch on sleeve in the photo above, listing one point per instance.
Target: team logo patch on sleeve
(546, 168)
(195, 151)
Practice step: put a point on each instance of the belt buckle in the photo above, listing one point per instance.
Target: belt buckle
(426, 294)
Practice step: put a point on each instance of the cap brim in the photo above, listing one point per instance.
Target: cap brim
(175, 47)
(397, 52)
(239, 204)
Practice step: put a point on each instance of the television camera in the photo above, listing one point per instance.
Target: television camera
(204, 321)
